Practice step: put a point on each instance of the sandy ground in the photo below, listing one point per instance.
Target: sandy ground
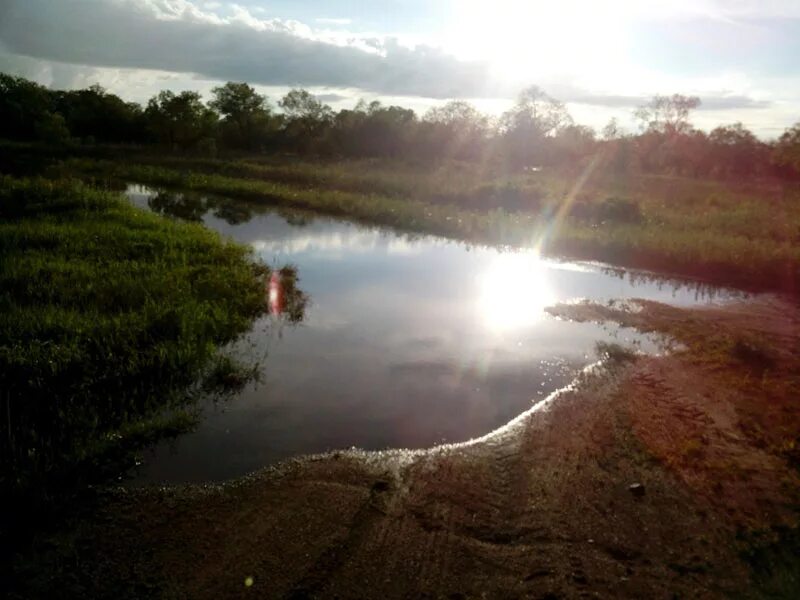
(540, 509)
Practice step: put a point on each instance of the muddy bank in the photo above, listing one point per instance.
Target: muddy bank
(541, 509)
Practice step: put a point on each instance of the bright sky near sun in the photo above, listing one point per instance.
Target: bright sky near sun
(601, 57)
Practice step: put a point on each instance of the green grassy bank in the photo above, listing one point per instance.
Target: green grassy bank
(739, 234)
(109, 318)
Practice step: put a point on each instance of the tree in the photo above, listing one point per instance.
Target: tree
(23, 105)
(612, 130)
(734, 150)
(52, 128)
(787, 150)
(455, 129)
(574, 142)
(668, 115)
(180, 121)
(535, 117)
(386, 130)
(245, 112)
(536, 113)
(306, 119)
(300, 104)
(459, 115)
(93, 113)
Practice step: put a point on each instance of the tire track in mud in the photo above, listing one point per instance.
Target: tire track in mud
(333, 559)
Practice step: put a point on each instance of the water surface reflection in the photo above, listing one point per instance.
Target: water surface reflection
(408, 341)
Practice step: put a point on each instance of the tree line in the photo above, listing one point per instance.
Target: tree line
(536, 131)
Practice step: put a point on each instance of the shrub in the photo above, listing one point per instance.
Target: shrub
(618, 210)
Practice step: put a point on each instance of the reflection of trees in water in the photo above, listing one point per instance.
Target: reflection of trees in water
(232, 370)
(186, 206)
(233, 213)
(242, 364)
(701, 289)
(291, 302)
(296, 218)
(192, 206)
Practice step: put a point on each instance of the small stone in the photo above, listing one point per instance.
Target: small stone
(637, 489)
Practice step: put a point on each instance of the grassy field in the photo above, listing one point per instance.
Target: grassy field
(111, 319)
(741, 234)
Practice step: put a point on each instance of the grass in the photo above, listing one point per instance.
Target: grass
(745, 235)
(615, 354)
(109, 317)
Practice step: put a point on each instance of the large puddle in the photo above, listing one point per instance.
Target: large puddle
(407, 342)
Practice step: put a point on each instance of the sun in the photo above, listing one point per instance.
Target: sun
(524, 40)
(513, 291)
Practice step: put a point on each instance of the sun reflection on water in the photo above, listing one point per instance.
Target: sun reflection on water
(514, 291)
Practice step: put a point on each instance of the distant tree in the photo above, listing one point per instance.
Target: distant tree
(93, 113)
(301, 104)
(535, 117)
(787, 150)
(460, 115)
(23, 106)
(688, 154)
(734, 150)
(245, 112)
(52, 128)
(668, 115)
(306, 119)
(387, 130)
(536, 113)
(373, 130)
(612, 130)
(455, 129)
(573, 142)
(537, 130)
(180, 121)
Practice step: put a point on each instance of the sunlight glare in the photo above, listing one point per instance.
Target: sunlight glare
(514, 291)
(520, 40)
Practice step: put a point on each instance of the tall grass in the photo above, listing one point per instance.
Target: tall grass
(108, 316)
(721, 233)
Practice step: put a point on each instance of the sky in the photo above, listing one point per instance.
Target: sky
(601, 57)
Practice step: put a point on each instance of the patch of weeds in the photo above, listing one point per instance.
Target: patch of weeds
(228, 376)
(614, 353)
(619, 210)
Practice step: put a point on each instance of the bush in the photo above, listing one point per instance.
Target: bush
(610, 210)
(618, 210)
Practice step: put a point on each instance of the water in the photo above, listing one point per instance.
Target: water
(407, 341)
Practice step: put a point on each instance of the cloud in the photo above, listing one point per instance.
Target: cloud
(708, 102)
(177, 35)
(724, 10)
(733, 102)
(137, 47)
(327, 21)
(331, 97)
